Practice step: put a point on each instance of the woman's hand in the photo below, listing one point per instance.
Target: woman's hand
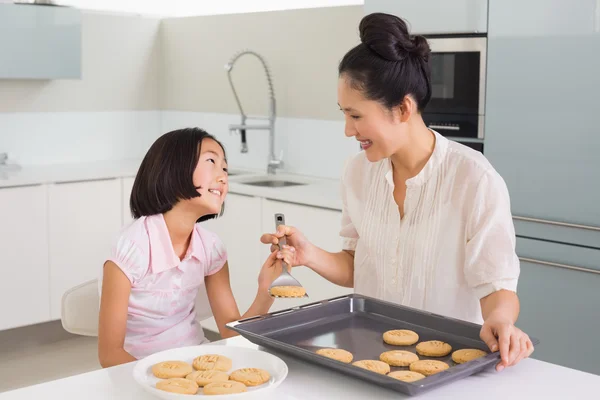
(296, 243)
(499, 333)
(271, 269)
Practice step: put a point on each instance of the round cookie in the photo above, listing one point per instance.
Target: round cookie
(171, 369)
(400, 337)
(373, 365)
(212, 361)
(465, 355)
(428, 367)
(337, 354)
(434, 348)
(288, 291)
(203, 378)
(229, 387)
(406, 376)
(178, 385)
(250, 376)
(398, 358)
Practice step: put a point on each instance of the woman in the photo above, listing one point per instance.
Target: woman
(426, 222)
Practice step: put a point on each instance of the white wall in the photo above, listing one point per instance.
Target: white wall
(182, 8)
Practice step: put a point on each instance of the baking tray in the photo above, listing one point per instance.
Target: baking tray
(356, 323)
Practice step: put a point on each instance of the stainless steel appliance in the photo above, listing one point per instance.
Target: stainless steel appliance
(458, 76)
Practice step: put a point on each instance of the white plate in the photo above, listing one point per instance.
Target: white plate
(241, 357)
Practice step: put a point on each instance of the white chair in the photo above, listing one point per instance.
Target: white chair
(80, 308)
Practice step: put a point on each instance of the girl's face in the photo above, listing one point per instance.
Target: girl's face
(210, 177)
(381, 132)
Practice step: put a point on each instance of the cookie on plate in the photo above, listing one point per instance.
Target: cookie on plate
(250, 376)
(400, 337)
(178, 385)
(337, 354)
(171, 369)
(406, 376)
(229, 387)
(428, 367)
(373, 365)
(212, 361)
(465, 355)
(288, 291)
(434, 348)
(399, 358)
(203, 378)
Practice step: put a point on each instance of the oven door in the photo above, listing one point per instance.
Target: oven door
(457, 104)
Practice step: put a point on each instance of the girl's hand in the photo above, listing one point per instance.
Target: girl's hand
(271, 269)
(295, 240)
(501, 334)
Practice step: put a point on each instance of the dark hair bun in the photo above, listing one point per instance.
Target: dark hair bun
(387, 35)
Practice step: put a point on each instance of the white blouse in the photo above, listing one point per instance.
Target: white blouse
(455, 243)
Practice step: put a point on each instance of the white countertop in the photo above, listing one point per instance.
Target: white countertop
(531, 379)
(317, 192)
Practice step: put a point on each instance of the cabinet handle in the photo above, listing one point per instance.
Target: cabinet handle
(558, 265)
(21, 186)
(556, 223)
(85, 180)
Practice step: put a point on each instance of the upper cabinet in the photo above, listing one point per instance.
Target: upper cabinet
(436, 16)
(39, 42)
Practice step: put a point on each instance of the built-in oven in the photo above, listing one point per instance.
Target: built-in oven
(458, 75)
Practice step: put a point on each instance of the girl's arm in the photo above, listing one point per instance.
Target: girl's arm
(223, 303)
(113, 317)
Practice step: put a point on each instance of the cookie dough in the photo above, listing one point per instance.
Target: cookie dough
(337, 354)
(406, 376)
(230, 387)
(250, 376)
(434, 348)
(465, 355)
(398, 358)
(373, 365)
(400, 337)
(171, 369)
(288, 291)
(428, 367)
(178, 385)
(212, 361)
(203, 378)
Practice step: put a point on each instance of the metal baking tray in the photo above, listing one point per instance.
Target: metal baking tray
(356, 323)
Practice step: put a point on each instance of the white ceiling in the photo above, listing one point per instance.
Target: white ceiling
(181, 8)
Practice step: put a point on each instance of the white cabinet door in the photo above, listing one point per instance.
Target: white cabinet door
(84, 220)
(23, 256)
(321, 227)
(239, 229)
(127, 184)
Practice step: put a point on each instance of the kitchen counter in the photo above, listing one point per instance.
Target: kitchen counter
(531, 379)
(317, 192)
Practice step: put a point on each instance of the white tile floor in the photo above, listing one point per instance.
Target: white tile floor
(50, 352)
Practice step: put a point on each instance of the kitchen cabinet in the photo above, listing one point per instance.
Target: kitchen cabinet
(23, 256)
(560, 307)
(542, 113)
(84, 220)
(40, 42)
(450, 16)
(320, 226)
(239, 229)
(127, 185)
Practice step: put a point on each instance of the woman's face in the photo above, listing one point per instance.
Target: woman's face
(210, 177)
(380, 131)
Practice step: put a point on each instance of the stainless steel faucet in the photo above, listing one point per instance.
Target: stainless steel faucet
(274, 163)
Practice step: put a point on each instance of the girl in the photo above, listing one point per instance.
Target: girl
(426, 221)
(159, 262)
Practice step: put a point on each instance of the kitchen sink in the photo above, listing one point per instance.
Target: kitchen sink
(273, 183)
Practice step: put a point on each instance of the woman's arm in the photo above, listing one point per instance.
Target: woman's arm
(113, 317)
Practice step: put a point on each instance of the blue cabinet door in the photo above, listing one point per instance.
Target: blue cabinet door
(542, 109)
